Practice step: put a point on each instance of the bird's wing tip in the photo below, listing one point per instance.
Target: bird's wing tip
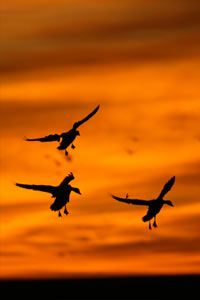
(97, 108)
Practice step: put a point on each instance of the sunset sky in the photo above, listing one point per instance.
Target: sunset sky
(140, 61)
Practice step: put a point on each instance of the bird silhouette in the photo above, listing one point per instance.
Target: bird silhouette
(66, 138)
(61, 193)
(154, 206)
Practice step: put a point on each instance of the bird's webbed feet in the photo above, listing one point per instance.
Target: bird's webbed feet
(72, 146)
(154, 223)
(150, 225)
(59, 214)
(66, 211)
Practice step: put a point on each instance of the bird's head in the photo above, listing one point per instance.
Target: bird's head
(76, 190)
(168, 202)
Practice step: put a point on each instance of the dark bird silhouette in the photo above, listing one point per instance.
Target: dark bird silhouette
(154, 206)
(61, 192)
(66, 138)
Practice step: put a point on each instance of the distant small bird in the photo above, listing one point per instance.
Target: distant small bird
(61, 192)
(154, 206)
(66, 138)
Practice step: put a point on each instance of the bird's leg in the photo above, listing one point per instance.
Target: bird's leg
(149, 224)
(72, 146)
(66, 153)
(127, 195)
(154, 223)
(59, 214)
(66, 211)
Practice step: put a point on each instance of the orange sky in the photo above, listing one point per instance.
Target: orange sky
(140, 61)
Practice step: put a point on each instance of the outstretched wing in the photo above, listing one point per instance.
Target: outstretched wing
(131, 201)
(48, 138)
(77, 124)
(43, 188)
(167, 187)
(67, 179)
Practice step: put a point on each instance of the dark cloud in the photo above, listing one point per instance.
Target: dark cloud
(21, 207)
(121, 33)
(189, 175)
(161, 245)
(187, 244)
(97, 53)
(17, 116)
(9, 254)
(188, 179)
(184, 122)
(189, 224)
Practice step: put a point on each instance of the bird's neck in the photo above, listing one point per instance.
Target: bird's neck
(165, 201)
(72, 188)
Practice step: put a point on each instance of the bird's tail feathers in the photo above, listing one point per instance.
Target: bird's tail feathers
(146, 218)
(54, 207)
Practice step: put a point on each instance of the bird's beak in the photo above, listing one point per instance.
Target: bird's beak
(80, 193)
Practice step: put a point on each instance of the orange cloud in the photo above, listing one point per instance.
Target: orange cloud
(139, 61)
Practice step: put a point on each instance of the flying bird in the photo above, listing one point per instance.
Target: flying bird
(66, 138)
(61, 193)
(154, 206)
